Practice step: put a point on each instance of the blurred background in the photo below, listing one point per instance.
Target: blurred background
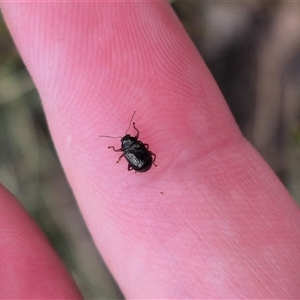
(252, 49)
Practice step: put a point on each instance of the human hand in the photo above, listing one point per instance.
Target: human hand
(211, 221)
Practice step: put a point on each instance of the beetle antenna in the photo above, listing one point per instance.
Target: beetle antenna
(112, 137)
(130, 122)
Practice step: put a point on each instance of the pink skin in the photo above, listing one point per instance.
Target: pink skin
(30, 269)
(212, 220)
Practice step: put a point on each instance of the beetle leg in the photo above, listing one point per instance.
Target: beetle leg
(154, 155)
(137, 135)
(119, 158)
(116, 150)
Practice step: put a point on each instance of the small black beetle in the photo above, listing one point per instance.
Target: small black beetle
(137, 154)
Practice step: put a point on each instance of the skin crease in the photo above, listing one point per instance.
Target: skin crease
(212, 220)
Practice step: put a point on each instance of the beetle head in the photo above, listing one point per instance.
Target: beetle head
(127, 141)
